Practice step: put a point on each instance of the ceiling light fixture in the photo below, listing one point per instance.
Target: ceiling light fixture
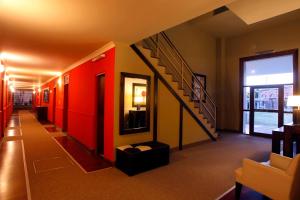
(2, 68)
(6, 77)
(12, 89)
(98, 57)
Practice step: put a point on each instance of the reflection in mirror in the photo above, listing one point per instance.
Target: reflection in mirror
(134, 103)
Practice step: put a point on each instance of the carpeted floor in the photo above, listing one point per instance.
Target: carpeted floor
(200, 172)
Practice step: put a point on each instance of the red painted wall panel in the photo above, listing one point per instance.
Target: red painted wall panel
(82, 102)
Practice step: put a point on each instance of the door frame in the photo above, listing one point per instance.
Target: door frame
(54, 106)
(66, 108)
(97, 116)
(293, 52)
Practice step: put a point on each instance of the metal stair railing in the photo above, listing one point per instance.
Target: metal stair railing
(162, 48)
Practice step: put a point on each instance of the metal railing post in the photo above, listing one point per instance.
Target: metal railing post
(181, 74)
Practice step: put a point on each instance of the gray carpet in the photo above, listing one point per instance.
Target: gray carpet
(200, 172)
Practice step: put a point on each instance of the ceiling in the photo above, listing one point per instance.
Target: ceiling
(40, 39)
(259, 10)
(228, 24)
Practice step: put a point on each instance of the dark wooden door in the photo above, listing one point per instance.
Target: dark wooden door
(66, 106)
(100, 114)
(54, 106)
(1, 108)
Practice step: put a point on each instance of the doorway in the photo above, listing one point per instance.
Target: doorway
(100, 114)
(267, 81)
(66, 108)
(54, 106)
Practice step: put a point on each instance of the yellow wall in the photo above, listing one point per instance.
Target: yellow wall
(278, 38)
(168, 106)
(168, 117)
(191, 131)
(128, 61)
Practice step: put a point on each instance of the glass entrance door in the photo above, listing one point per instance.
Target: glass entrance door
(266, 109)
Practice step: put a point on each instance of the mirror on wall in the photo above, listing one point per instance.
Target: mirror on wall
(134, 103)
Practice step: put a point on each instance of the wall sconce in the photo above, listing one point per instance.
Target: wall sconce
(12, 89)
(2, 68)
(59, 82)
(98, 57)
(138, 101)
(6, 77)
(33, 92)
(39, 90)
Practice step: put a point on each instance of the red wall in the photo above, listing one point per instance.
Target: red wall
(6, 104)
(82, 102)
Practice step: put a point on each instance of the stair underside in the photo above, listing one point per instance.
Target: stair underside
(179, 91)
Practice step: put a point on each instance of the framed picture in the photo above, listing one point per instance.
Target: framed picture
(139, 94)
(199, 94)
(46, 96)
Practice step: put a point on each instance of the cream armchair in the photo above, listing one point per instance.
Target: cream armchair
(275, 179)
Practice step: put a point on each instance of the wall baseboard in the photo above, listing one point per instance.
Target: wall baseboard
(186, 146)
(229, 130)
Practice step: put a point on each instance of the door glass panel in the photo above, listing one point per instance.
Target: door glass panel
(288, 118)
(265, 122)
(288, 91)
(246, 102)
(246, 121)
(269, 71)
(266, 98)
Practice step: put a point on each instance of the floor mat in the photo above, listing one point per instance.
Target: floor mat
(247, 194)
(51, 129)
(45, 122)
(84, 158)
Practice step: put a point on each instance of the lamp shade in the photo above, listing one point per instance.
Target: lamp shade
(293, 101)
(138, 100)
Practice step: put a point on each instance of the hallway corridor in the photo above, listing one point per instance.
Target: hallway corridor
(199, 172)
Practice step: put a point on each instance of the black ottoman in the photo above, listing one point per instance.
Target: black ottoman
(135, 162)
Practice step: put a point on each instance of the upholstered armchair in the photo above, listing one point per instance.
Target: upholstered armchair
(278, 179)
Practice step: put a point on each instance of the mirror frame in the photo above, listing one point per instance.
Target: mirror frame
(122, 130)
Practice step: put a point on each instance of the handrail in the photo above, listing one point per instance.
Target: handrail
(161, 44)
(187, 66)
(187, 83)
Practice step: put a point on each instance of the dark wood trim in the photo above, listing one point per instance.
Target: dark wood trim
(145, 60)
(241, 95)
(2, 108)
(293, 52)
(180, 125)
(228, 130)
(193, 85)
(155, 110)
(121, 114)
(280, 106)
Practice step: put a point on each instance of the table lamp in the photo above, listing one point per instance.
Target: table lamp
(294, 101)
(138, 100)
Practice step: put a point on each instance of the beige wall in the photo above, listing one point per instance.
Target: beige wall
(128, 61)
(279, 38)
(198, 49)
(168, 107)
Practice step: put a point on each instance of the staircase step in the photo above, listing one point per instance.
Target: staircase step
(174, 83)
